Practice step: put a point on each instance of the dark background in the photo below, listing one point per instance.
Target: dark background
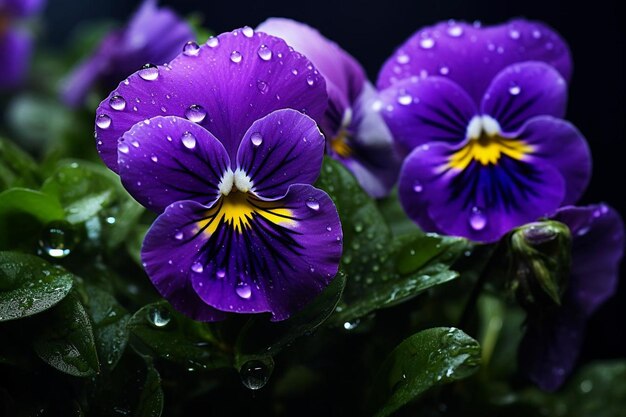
(370, 30)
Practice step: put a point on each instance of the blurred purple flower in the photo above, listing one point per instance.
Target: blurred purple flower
(480, 111)
(550, 347)
(212, 142)
(357, 134)
(15, 41)
(153, 35)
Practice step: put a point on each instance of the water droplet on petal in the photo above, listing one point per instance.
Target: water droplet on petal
(179, 235)
(103, 121)
(236, 57)
(191, 48)
(212, 42)
(159, 316)
(514, 34)
(443, 70)
(58, 239)
(404, 98)
(427, 43)
(313, 204)
(197, 267)
(536, 34)
(247, 31)
(265, 53)
(310, 80)
(515, 90)
(221, 273)
(195, 113)
(256, 139)
(117, 102)
(403, 59)
(455, 31)
(149, 72)
(154, 158)
(417, 187)
(123, 147)
(261, 86)
(294, 71)
(189, 140)
(243, 290)
(477, 219)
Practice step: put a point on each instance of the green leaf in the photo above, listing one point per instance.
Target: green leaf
(157, 330)
(83, 190)
(17, 168)
(67, 342)
(262, 337)
(109, 321)
(427, 359)
(151, 398)
(412, 264)
(29, 285)
(43, 207)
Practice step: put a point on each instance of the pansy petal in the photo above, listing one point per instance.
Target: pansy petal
(168, 159)
(420, 111)
(224, 86)
(597, 250)
(276, 258)
(472, 56)
(561, 145)
(522, 91)
(552, 342)
(479, 202)
(283, 148)
(373, 159)
(167, 254)
(336, 65)
(15, 48)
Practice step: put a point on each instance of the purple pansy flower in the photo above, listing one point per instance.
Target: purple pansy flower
(553, 339)
(15, 41)
(480, 111)
(152, 35)
(212, 142)
(357, 134)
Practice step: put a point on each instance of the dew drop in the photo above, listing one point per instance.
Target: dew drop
(159, 316)
(477, 219)
(514, 34)
(197, 267)
(58, 239)
(103, 121)
(536, 34)
(255, 373)
(294, 71)
(243, 290)
(264, 53)
(427, 43)
(455, 31)
(212, 42)
(117, 102)
(123, 147)
(261, 86)
(195, 113)
(313, 204)
(515, 90)
(221, 273)
(403, 59)
(191, 49)
(154, 158)
(149, 72)
(443, 70)
(179, 235)
(310, 80)
(189, 140)
(236, 57)
(247, 31)
(418, 187)
(256, 139)
(404, 98)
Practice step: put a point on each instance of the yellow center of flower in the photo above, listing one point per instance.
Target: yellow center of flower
(238, 206)
(486, 146)
(339, 144)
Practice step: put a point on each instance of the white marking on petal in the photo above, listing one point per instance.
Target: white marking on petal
(242, 181)
(491, 125)
(226, 182)
(474, 128)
